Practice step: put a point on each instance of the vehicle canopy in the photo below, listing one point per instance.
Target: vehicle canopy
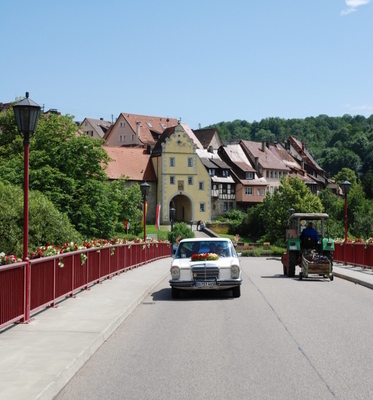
(299, 221)
(309, 216)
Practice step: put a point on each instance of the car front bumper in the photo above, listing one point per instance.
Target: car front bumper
(205, 284)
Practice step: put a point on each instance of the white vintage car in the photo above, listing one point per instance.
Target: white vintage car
(206, 264)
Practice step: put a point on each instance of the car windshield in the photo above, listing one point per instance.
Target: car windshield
(222, 248)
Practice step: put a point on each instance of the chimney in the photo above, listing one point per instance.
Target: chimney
(210, 149)
(302, 164)
(138, 126)
(263, 146)
(257, 164)
(101, 119)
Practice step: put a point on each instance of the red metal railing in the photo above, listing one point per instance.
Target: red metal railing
(57, 277)
(358, 254)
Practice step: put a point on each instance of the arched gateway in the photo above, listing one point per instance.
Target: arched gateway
(183, 205)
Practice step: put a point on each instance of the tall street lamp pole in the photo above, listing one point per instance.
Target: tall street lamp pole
(345, 185)
(172, 216)
(145, 188)
(26, 113)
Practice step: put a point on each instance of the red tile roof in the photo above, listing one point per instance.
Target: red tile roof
(266, 158)
(131, 162)
(150, 127)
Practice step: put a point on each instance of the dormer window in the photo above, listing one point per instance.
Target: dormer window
(249, 175)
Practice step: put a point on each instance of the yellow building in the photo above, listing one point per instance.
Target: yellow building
(183, 181)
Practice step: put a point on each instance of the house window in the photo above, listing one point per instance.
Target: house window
(271, 174)
(275, 174)
(225, 172)
(225, 208)
(249, 191)
(263, 192)
(120, 138)
(212, 172)
(172, 161)
(190, 180)
(267, 174)
(258, 192)
(172, 180)
(202, 207)
(249, 175)
(271, 190)
(124, 138)
(190, 162)
(230, 205)
(201, 185)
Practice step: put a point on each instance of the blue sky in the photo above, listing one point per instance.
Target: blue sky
(201, 61)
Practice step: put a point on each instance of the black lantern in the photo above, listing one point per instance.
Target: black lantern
(26, 113)
(145, 188)
(345, 185)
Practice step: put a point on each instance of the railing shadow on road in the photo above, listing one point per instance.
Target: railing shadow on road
(191, 295)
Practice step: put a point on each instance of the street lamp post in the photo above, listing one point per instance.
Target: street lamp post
(345, 185)
(26, 113)
(145, 187)
(172, 216)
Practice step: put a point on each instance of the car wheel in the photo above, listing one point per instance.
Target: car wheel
(175, 293)
(236, 291)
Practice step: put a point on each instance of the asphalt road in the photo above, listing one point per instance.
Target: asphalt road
(282, 339)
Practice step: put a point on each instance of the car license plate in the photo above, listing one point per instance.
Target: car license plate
(206, 284)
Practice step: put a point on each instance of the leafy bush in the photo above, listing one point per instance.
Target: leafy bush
(181, 229)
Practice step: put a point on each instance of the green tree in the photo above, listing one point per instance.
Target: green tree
(345, 174)
(368, 184)
(292, 193)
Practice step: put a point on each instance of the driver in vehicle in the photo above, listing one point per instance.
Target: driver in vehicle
(309, 235)
(195, 250)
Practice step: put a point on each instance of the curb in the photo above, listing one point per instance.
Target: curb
(354, 280)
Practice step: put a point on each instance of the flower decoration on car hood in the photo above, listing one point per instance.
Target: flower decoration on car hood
(204, 257)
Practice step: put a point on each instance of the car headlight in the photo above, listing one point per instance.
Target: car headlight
(235, 271)
(175, 272)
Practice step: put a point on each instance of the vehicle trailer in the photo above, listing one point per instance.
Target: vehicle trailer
(314, 258)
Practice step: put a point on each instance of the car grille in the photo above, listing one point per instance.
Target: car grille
(205, 273)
